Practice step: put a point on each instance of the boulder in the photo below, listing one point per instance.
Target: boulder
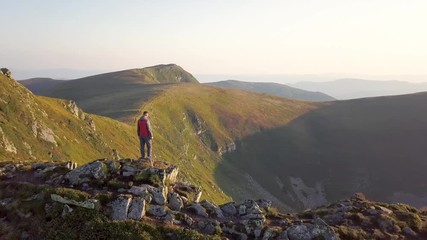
(90, 203)
(174, 201)
(229, 208)
(159, 195)
(213, 209)
(137, 208)
(198, 209)
(120, 207)
(94, 170)
(157, 211)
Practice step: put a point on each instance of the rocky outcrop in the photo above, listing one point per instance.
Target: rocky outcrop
(6, 144)
(6, 72)
(93, 171)
(101, 186)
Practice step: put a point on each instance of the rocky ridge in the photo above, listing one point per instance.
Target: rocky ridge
(130, 190)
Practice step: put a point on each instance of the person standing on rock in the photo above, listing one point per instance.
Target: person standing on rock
(145, 134)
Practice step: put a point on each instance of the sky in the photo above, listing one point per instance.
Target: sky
(229, 37)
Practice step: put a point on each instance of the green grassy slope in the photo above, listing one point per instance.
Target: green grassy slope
(33, 126)
(120, 94)
(193, 123)
(274, 89)
(376, 146)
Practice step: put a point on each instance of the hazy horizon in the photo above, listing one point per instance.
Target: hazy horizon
(352, 38)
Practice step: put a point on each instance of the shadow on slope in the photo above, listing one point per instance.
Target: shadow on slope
(375, 145)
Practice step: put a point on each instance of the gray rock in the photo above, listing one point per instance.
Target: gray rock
(385, 210)
(409, 232)
(66, 210)
(159, 195)
(208, 227)
(157, 211)
(169, 218)
(213, 209)
(198, 209)
(264, 204)
(120, 207)
(299, 232)
(174, 201)
(95, 170)
(268, 233)
(137, 209)
(257, 232)
(129, 171)
(188, 220)
(42, 166)
(229, 208)
(90, 203)
(234, 232)
(113, 166)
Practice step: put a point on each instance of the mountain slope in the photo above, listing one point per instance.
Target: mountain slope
(120, 94)
(195, 124)
(359, 88)
(375, 146)
(45, 129)
(274, 89)
(40, 86)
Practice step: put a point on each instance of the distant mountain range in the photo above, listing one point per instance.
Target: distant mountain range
(274, 89)
(359, 88)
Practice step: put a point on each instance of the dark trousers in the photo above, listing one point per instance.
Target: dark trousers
(145, 141)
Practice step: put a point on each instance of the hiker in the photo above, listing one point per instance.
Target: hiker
(145, 135)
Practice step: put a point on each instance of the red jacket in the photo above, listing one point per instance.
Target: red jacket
(144, 128)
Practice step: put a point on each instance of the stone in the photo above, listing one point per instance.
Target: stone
(207, 227)
(409, 232)
(385, 210)
(113, 166)
(268, 233)
(264, 204)
(198, 209)
(128, 171)
(188, 220)
(237, 234)
(175, 202)
(90, 203)
(66, 210)
(213, 209)
(159, 195)
(94, 170)
(229, 208)
(137, 208)
(298, 232)
(257, 232)
(157, 211)
(120, 207)
(42, 166)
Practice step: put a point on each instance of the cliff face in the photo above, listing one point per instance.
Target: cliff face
(127, 198)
